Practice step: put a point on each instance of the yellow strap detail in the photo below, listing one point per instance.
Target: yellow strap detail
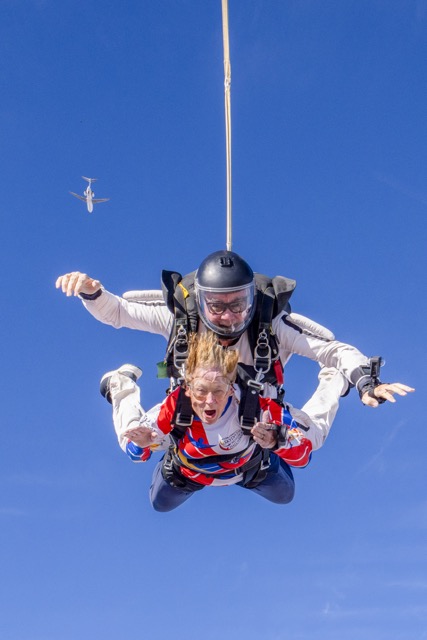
(184, 290)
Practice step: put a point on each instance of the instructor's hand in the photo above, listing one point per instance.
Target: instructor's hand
(386, 391)
(76, 282)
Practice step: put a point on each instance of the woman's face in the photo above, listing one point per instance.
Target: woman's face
(208, 391)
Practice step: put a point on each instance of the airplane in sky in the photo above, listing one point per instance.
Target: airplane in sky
(88, 195)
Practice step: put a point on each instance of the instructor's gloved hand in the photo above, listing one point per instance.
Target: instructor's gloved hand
(385, 391)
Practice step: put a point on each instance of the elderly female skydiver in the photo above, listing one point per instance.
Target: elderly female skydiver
(198, 426)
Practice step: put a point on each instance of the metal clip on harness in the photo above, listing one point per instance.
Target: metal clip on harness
(180, 348)
(262, 355)
(262, 364)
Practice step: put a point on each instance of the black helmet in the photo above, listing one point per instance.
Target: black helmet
(225, 272)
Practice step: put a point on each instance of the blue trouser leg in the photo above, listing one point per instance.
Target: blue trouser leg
(279, 485)
(163, 497)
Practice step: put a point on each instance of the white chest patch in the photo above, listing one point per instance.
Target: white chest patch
(231, 441)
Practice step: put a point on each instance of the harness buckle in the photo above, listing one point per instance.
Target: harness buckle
(265, 464)
(180, 348)
(168, 462)
(262, 353)
(256, 384)
(247, 422)
(184, 419)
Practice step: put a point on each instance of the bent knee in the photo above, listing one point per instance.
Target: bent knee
(167, 498)
(161, 507)
(161, 503)
(285, 496)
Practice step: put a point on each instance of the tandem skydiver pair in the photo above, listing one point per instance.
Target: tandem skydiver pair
(249, 315)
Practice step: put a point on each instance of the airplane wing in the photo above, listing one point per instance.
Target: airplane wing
(76, 195)
(96, 200)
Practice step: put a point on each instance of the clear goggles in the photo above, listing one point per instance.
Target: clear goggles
(214, 304)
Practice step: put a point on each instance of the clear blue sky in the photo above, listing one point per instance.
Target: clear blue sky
(329, 103)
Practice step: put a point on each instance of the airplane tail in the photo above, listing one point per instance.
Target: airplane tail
(89, 179)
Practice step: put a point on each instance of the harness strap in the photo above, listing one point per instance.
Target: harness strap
(249, 410)
(258, 458)
(183, 415)
(173, 476)
(180, 458)
(182, 419)
(180, 299)
(266, 353)
(180, 346)
(266, 348)
(256, 474)
(253, 471)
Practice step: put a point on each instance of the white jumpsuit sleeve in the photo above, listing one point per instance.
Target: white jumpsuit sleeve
(329, 353)
(151, 316)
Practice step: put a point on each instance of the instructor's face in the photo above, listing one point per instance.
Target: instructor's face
(227, 310)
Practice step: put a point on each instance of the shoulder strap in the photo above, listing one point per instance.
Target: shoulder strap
(283, 289)
(273, 296)
(180, 299)
(183, 415)
(249, 406)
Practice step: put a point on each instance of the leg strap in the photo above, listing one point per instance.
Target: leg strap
(173, 476)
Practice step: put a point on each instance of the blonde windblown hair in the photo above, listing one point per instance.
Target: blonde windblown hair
(206, 352)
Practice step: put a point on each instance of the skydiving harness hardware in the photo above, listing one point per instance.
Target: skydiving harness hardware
(370, 378)
(254, 470)
(180, 348)
(171, 473)
(180, 299)
(272, 298)
(184, 414)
